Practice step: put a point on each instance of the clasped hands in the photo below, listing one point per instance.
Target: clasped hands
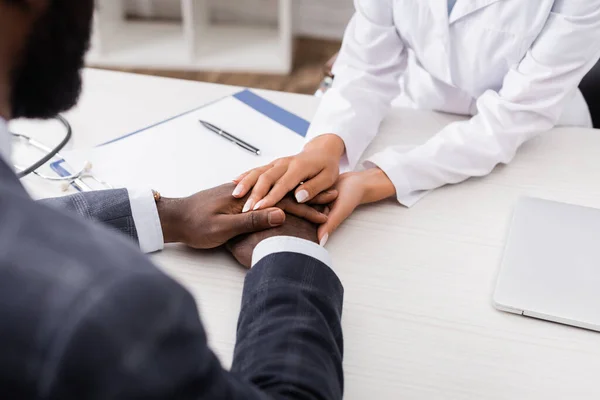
(309, 173)
(213, 218)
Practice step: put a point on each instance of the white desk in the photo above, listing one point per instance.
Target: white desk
(418, 319)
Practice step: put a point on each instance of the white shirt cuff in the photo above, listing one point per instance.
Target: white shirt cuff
(288, 244)
(147, 222)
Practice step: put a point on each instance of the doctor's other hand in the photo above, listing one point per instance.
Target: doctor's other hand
(242, 247)
(354, 189)
(308, 173)
(208, 219)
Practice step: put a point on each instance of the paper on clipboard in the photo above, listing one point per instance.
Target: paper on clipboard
(180, 157)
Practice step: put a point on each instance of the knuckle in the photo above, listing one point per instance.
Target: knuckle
(251, 177)
(254, 221)
(296, 164)
(312, 186)
(262, 180)
(213, 230)
(247, 224)
(273, 174)
(282, 161)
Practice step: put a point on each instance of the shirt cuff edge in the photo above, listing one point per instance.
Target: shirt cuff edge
(290, 244)
(146, 219)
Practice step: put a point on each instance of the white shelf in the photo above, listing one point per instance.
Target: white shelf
(241, 49)
(192, 44)
(142, 44)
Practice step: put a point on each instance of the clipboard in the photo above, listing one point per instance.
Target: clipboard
(252, 105)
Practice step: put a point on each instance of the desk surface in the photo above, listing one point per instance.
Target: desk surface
(418, 319)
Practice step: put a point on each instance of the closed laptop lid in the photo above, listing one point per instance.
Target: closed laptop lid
(551, 264)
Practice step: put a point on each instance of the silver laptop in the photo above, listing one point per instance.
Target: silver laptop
(551, 264)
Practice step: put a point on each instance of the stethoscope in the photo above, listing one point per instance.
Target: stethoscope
(55, 153)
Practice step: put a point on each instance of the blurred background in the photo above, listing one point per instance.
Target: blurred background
(272, 44)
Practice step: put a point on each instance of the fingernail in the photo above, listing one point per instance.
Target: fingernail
(326, 211)
(257, 206)
(247, 206)
(238, 190)
(276, 218)
(324, 240)
(302, 196)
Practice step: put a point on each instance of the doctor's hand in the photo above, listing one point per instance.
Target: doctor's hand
(317, 166)
(354, 189)
(210, 218)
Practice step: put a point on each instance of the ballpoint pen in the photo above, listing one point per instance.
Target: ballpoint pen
(231, 138)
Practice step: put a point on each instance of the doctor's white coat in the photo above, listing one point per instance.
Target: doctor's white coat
(514, 65)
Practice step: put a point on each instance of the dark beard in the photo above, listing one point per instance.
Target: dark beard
(48, 79)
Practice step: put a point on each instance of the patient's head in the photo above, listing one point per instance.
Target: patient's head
(42, 48)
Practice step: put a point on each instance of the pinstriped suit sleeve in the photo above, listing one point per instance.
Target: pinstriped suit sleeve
(289, 337)
(111, 207)
(149, 343)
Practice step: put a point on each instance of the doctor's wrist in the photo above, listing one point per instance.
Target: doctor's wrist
(378, 186)
(331, 144)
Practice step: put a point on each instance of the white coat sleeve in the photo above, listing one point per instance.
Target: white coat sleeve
(531, 100)
(367, 73)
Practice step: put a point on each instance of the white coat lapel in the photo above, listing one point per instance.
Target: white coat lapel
(464, 8)
(439, 10)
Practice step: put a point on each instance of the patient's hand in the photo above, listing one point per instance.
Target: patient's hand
(242, 247)
(210, 218)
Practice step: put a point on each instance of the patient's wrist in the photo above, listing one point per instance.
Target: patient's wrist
(170, 213)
